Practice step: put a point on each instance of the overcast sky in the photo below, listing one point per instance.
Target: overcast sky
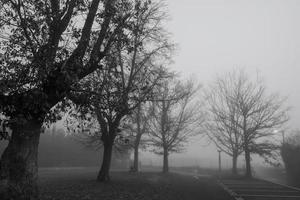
(259, 35)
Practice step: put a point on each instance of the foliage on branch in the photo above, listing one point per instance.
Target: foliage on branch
(47, 47)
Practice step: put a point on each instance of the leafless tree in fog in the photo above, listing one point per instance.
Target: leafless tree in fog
(175, 118)
(129, 74)
(221, 124)
(137, 129)
(251, 113)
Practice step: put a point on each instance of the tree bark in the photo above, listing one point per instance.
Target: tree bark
(18, 166)
(137, 140)
(234, 164)
(136, 152)
(246, 149)
(248, 162)
(103, 174)
(166, 161)
(136, 159)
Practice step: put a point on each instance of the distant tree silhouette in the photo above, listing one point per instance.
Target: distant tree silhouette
(222, 118)
(137, 131)
(290, 151)
(252, 112)
(175, 118)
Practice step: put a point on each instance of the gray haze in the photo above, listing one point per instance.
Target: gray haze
(215, 36)
(218, 35)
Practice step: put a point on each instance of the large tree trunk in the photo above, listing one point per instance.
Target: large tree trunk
(137, 141)
(103, 174)
(136, 152)
(248, 162)
(166, 161)
(234, 164)
(136, 159)
(18, 167)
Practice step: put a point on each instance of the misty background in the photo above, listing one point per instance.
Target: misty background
(214, 36)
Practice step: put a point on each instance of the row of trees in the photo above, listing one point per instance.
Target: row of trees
(96, 70)
(242, 118)
(131, 71)
(239, 116)
(102, 58)
(99, 62)
(163, 123)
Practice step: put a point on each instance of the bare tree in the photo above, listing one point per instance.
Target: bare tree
(255, 114)
(127, 78)
(175, 118)
(222, 119)
(137, 128)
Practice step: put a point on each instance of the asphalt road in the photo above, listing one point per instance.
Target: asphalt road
(256, 189)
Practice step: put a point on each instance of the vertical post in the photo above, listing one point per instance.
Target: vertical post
(219, 162)
(283, 137)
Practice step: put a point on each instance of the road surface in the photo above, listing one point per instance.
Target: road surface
(256, 189)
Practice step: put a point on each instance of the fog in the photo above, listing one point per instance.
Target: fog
(260, 36)
(214, 36)
(194, 99)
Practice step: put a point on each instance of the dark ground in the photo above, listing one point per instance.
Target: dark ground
(80, 183)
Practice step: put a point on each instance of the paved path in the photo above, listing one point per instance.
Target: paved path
(256, 189)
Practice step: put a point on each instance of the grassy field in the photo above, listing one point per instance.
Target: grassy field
(80, 183)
